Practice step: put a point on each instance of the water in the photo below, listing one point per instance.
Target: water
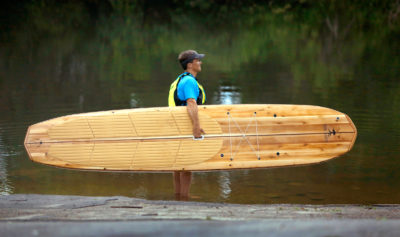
(48, 72)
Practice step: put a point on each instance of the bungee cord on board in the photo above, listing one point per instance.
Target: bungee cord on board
(256, 152)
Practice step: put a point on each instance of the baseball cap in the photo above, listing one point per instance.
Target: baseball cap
(188, 56)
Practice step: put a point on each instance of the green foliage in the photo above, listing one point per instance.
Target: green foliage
(316, 41)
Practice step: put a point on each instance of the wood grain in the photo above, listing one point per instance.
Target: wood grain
(159, 139)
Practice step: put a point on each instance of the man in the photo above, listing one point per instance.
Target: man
(186, 91)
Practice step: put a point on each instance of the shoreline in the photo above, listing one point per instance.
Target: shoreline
(34, 207)
(60, 215)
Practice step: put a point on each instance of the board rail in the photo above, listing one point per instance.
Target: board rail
(239, 137)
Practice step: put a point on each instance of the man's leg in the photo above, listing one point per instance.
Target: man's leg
(186, 180)
(182, 181)
(177, 183)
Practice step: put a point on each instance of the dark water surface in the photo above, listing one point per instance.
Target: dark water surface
(120, 64)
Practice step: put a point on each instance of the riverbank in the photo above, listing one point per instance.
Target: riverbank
(78, 215)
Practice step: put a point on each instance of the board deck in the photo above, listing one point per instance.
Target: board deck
(160, 139)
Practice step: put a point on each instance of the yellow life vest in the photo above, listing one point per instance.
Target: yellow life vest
(173, 99)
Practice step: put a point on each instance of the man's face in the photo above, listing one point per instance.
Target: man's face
(196, 65)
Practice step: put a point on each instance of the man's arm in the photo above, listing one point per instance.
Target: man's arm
(194, 116)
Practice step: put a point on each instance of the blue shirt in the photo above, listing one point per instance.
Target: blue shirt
(188, 88)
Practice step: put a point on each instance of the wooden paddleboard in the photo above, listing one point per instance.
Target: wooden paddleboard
(160, 139)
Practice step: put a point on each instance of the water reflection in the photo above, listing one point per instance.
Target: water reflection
(224, 184)
(134, 100)
(228, 95)
(5, 187)
(81, 102)
(140, 192)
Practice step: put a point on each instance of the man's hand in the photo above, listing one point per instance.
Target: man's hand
(197, 132)
(194, 116)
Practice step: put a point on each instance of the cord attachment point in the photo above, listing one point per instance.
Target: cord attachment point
(198, 138)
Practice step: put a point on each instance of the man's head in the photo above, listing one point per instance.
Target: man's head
(188, 57)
